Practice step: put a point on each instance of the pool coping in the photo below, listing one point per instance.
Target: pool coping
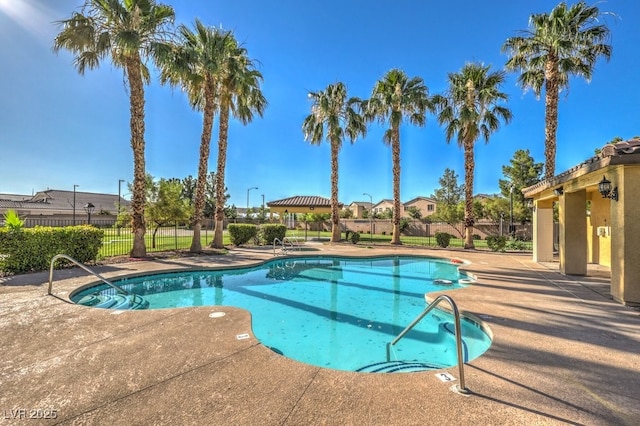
(563, 352)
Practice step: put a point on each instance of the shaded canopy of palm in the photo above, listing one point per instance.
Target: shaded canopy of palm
(470, 109)
(128, 32)
(333, 113)
(195, 64)
(394, 99)
(568, 41)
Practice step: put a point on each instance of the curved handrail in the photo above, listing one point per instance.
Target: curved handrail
(456, 314)
(72, 260)
(283, 244)
(277, 240)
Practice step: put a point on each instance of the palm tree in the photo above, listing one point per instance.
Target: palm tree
(566, 42)
(469, 109)
(127, 32)
(340, 116)
(195, 64)
(394, 98)
(239, 95)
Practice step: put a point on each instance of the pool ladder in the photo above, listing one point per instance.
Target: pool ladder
(283, 245)
(72, 260)
(459, 388)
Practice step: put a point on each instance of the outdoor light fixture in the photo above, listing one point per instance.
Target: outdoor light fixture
(558, 191)
(246, 215)
(604, 187)
(529, 202)
(89, 208)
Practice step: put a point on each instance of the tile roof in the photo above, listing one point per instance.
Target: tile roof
(420, 198)
(14, 197)
(301, 201)
(612, 153)
(62, 201)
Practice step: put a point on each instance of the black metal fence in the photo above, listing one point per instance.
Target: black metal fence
(119, 241)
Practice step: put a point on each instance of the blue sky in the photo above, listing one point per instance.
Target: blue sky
(58, 128)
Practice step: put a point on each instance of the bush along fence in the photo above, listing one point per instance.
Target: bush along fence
(31, 249)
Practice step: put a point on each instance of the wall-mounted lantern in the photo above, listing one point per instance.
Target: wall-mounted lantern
(604, 187)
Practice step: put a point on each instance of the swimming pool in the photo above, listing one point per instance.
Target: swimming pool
(334, 312)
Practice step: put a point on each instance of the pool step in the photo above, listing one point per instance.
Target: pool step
(117, 301)
(399, 367)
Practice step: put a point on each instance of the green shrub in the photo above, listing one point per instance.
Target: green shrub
(355, 237)
(12, 221)
(404, 224)
(496, 243)
(476, 237)
(516, 244)
(269, 232)
(240, 233)
(32, 249)
(443, 238)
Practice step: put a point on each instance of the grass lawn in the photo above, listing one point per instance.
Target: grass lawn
(114, 244)
(117, 243)
(366, 239)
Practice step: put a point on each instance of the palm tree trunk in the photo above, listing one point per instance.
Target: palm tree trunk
(136, 99)
(469, 220)
(222, 159)
(335, 216)
(551, 117)
(395, 154)
(205, 143)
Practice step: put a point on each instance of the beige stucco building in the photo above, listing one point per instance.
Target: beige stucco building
(358, 208)
(599, 218)
(426, 206)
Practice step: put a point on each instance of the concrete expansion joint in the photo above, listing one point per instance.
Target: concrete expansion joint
(160, 383)
(302, 394)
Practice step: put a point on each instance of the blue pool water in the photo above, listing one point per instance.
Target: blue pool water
(332, 312)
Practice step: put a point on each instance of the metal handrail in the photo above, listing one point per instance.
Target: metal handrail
(293, 243)
(277, 240)
(283, 243)
(72, 260)
(461, 388)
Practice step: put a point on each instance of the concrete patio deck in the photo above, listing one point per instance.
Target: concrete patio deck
(563, 353)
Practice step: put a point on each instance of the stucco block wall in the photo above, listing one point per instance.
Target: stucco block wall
(572, 213)
(599, 245)
(625, 244)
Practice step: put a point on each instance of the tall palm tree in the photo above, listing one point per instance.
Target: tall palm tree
(566, 42)
(239, 95)
(195, 64)
(469, 109)
(331, 110)
(395, 98)
(127, 32)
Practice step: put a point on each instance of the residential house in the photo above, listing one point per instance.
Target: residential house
(426, 206)
(382, 206)
(51, 205)
(358, 208)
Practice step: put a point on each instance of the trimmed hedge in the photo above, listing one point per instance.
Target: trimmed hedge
(32, 249)
(241, 233)
(497, 243)
(269, 232)
(355, 237)
(443, 239)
